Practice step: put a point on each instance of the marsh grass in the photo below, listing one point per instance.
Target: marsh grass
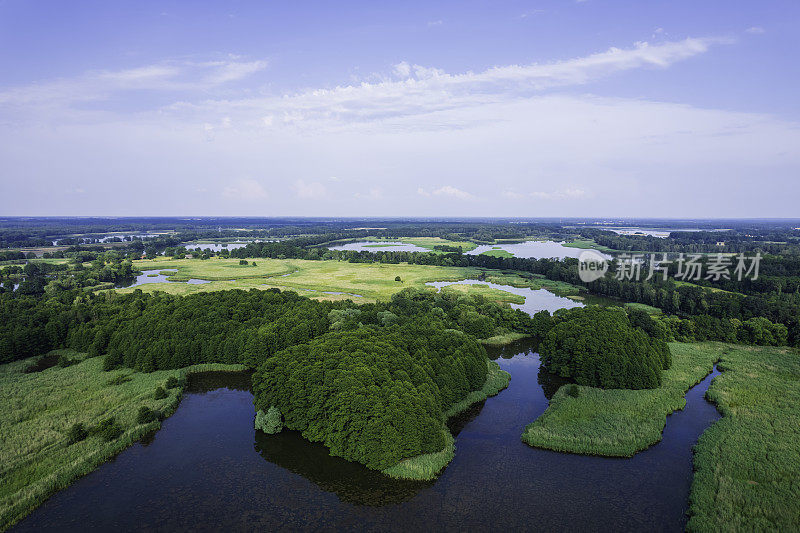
(620, 422)
(747, 465)
(427, 466)
(36, 457)
(502, 340)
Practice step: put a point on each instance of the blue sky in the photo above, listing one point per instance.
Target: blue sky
(552, 108)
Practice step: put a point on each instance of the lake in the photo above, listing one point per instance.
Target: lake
(380, 246)
(535, 299)
(147, 277)
(209, 469)
(534, 250)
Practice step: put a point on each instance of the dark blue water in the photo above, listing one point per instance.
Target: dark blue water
(207, 469)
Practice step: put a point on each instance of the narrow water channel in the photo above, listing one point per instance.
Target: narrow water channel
(208, 469)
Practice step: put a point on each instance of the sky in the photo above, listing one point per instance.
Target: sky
(677, 109)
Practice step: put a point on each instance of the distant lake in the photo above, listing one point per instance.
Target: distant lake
(661, 233)
(147, 277)
(208, 469)
(380, 246)
(534, 250)
(535, 299)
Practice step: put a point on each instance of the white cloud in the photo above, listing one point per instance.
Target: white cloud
(422, 192)
(755, 30)
(452, 192)
(434, 23)
(374, 193)
(309, 190)
(245, 189)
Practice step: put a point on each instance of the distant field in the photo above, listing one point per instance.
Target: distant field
(38, 409)
(422, 242)
(588, 244)
(372, 281)
(498, 252)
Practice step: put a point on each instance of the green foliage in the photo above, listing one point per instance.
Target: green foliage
(77, 432)
(270, 422)
(107, 429)
(573, 391)
(601, 347)
(118, 380)
(172, 382)
(146, 415)
(160, 393)
(398, 278)
(747, 465)
(619, 422)
(373, 395)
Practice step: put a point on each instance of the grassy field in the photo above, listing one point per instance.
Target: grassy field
(372, 281)
(498, 252)
(620, 422)
(427, 466)
(588, 244)
(649, 309)
(38, 409)
(747, 465)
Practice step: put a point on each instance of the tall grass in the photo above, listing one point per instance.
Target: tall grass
(747, 465)
(427, 466)
(620, 422)
(38, 409)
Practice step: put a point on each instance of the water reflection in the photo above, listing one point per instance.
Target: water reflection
(535, 299)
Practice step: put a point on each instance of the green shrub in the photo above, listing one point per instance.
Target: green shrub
(77, 432)
(160, 393)
(269, 422)
(573, 391)
(108, 429)
(397, 278)
(118, 380)
(173, 382)
(65, 361)
(146, 415)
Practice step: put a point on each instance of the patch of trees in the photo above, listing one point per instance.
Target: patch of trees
(371, 394)
(604, 347)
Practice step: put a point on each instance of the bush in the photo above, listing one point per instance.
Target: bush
(243, 262)
(65, 361)
(119, 380)
(173, 382)
(573, 391)
(108, 429)
(77, 432)
(397, 278)
(160, 393)
(146, 415)
(270, 422)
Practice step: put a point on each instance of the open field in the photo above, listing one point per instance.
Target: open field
(38, 409)
(372, 281)
(747, 465)
(620, 422)
(427, 466)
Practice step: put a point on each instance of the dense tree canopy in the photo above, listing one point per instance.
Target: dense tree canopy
(373, 395)
(600, 347)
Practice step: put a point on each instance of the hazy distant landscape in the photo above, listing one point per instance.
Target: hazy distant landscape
(430, 266)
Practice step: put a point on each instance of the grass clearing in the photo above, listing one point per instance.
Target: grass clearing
(498, 252)
(649, 309)
(372, 281)
(620, 422)
(747, 465)
(39, 408)
(502, 340)
(427, 466)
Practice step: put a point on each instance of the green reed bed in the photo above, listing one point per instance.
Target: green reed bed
(36, 458)
(747, 465)
(619, 422)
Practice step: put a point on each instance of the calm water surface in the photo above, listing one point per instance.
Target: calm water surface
(535, 299)
(534, 250)
(146, 277)
(208, 469)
